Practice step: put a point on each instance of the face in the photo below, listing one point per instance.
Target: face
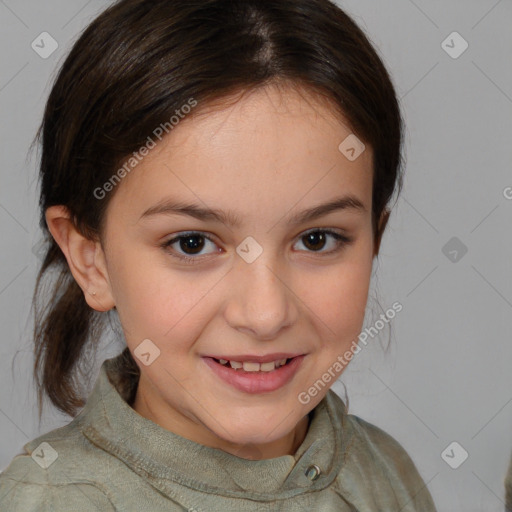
(261, 279)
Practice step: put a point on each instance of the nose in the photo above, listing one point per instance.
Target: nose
(261, 302)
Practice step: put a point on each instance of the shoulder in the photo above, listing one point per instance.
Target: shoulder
(54, 474)
(24, 495)
(373, 455)
(379, 443)
(389, 464)
(370, 440)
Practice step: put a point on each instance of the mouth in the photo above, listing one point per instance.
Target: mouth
(253, 376)
(253, 366)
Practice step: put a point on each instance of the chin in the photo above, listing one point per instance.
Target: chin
(259, 432)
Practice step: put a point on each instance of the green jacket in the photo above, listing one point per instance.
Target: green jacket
(111, 458)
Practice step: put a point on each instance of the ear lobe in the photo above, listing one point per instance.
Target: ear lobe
(84, 256)
(384, 218)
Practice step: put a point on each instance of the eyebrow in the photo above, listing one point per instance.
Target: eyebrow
(170, 207)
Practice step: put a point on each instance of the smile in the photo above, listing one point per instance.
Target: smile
(255, 377)
(251, 366)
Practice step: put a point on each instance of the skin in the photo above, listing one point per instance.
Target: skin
(266, 157)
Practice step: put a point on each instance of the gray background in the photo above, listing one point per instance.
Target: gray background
(446, 375)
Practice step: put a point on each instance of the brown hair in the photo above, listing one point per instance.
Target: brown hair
(131, 69)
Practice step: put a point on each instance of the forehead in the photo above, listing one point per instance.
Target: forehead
(272, 145)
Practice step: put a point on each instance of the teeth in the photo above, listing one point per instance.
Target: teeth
(250, 366)
(268, 367)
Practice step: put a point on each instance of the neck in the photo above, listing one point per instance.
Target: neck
(194, 431)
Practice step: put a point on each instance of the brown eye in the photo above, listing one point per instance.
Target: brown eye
(194, 243)
(316, 240)
(187, 245)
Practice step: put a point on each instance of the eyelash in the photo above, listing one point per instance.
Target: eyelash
(341, 240)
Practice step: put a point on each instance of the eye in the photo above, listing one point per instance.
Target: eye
(317, 239)
(191, 244)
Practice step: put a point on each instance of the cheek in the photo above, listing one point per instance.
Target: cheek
(156, 303)
(340, 302)
(338, 299)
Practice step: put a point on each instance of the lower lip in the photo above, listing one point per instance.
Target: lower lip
(256, 382)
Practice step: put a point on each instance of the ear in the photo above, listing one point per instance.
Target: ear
(85, 258)
(380, 230)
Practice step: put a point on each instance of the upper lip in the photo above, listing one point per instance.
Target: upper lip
(257, 359)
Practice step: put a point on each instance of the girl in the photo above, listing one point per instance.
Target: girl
(218, 173)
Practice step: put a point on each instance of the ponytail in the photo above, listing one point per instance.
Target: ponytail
(63, 325)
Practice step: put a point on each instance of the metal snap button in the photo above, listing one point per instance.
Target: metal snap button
(313, 472)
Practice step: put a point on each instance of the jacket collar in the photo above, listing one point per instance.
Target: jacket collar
(166, 459)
